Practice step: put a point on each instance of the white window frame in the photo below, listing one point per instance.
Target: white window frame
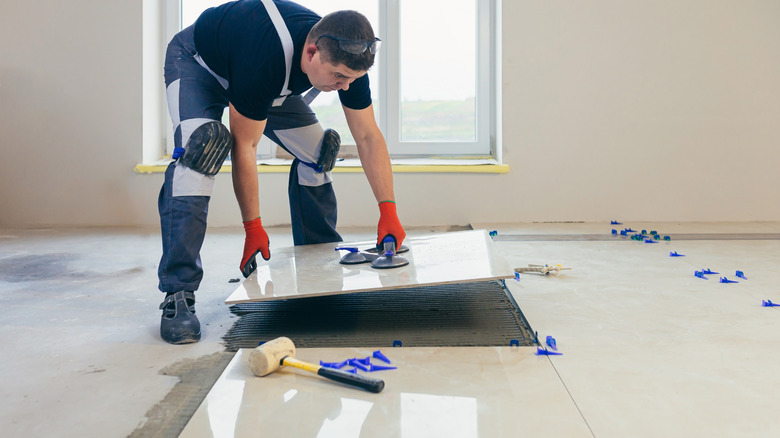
(488, 79)
(390, 86)
(171, 18)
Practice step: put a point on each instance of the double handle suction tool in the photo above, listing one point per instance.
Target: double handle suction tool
(384, 256)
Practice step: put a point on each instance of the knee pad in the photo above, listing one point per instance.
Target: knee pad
(329, 150)
(207, 148)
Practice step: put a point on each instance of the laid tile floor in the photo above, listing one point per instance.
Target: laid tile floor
(649, 349)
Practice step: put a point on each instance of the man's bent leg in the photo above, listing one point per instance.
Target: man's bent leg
(195, 100)
(313, 209)
(183, 207)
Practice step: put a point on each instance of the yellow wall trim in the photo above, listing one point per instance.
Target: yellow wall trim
(397, 168)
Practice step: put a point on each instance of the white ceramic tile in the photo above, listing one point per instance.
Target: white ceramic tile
(726, 388)
(435, 392)
(314, 270)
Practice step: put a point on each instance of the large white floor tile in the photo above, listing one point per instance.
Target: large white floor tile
(435, 392)
(725, 388)
(314, 270)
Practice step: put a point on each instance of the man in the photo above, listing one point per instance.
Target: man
(257, 57)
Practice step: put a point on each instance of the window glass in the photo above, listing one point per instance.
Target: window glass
(438, 70)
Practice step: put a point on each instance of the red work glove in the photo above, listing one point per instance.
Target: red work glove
(256, 242)
(389, 224)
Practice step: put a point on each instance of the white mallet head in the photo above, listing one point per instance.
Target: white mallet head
(268, 357)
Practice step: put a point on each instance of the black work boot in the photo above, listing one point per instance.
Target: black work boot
(179, 325)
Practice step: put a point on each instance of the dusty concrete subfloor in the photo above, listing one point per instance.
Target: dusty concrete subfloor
(196, 377)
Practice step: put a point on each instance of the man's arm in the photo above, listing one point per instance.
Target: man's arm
(372, 150)
(246, 134)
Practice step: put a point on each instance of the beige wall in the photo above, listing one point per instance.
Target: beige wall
(612, 109)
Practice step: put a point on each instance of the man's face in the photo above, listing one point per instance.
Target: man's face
(325, 76)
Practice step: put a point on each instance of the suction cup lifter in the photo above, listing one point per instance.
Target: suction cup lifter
(390, 259)
(381, 258)
(353, 257)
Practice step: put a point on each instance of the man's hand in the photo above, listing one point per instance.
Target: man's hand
(389, 223)
(256, 242)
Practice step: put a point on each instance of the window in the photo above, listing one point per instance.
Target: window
(434, 81)
(439, 86)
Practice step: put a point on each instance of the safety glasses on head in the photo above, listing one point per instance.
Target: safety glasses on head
(355, 47)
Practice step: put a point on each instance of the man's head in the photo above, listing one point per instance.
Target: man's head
(345, 38)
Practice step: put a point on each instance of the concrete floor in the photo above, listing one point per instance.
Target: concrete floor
(649, 349)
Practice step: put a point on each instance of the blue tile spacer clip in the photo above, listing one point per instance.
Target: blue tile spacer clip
(741, 274)
(397, 343)
(356, 364)
(517, 276)
(769, 303)
(543, 352)
(551, 343)
(674, 254)
(615, 223)
(378, 354)
(614, 232)
(373, 368)
(629, 230)
(624, 233)
(336, 365)
(493, 233)
(650, 241)
(667, 238)
(514, 343)
(726, 280)
(708, 271)
(700, 275)
(353, 371)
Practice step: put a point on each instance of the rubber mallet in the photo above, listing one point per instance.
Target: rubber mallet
(270, 356)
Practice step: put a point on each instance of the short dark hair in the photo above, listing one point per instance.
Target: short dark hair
(343, 24)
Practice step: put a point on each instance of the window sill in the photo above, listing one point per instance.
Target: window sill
(400, 165)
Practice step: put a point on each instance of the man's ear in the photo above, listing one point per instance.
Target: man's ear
(310, 51)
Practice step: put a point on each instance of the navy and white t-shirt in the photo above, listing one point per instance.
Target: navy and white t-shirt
(238, 41)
